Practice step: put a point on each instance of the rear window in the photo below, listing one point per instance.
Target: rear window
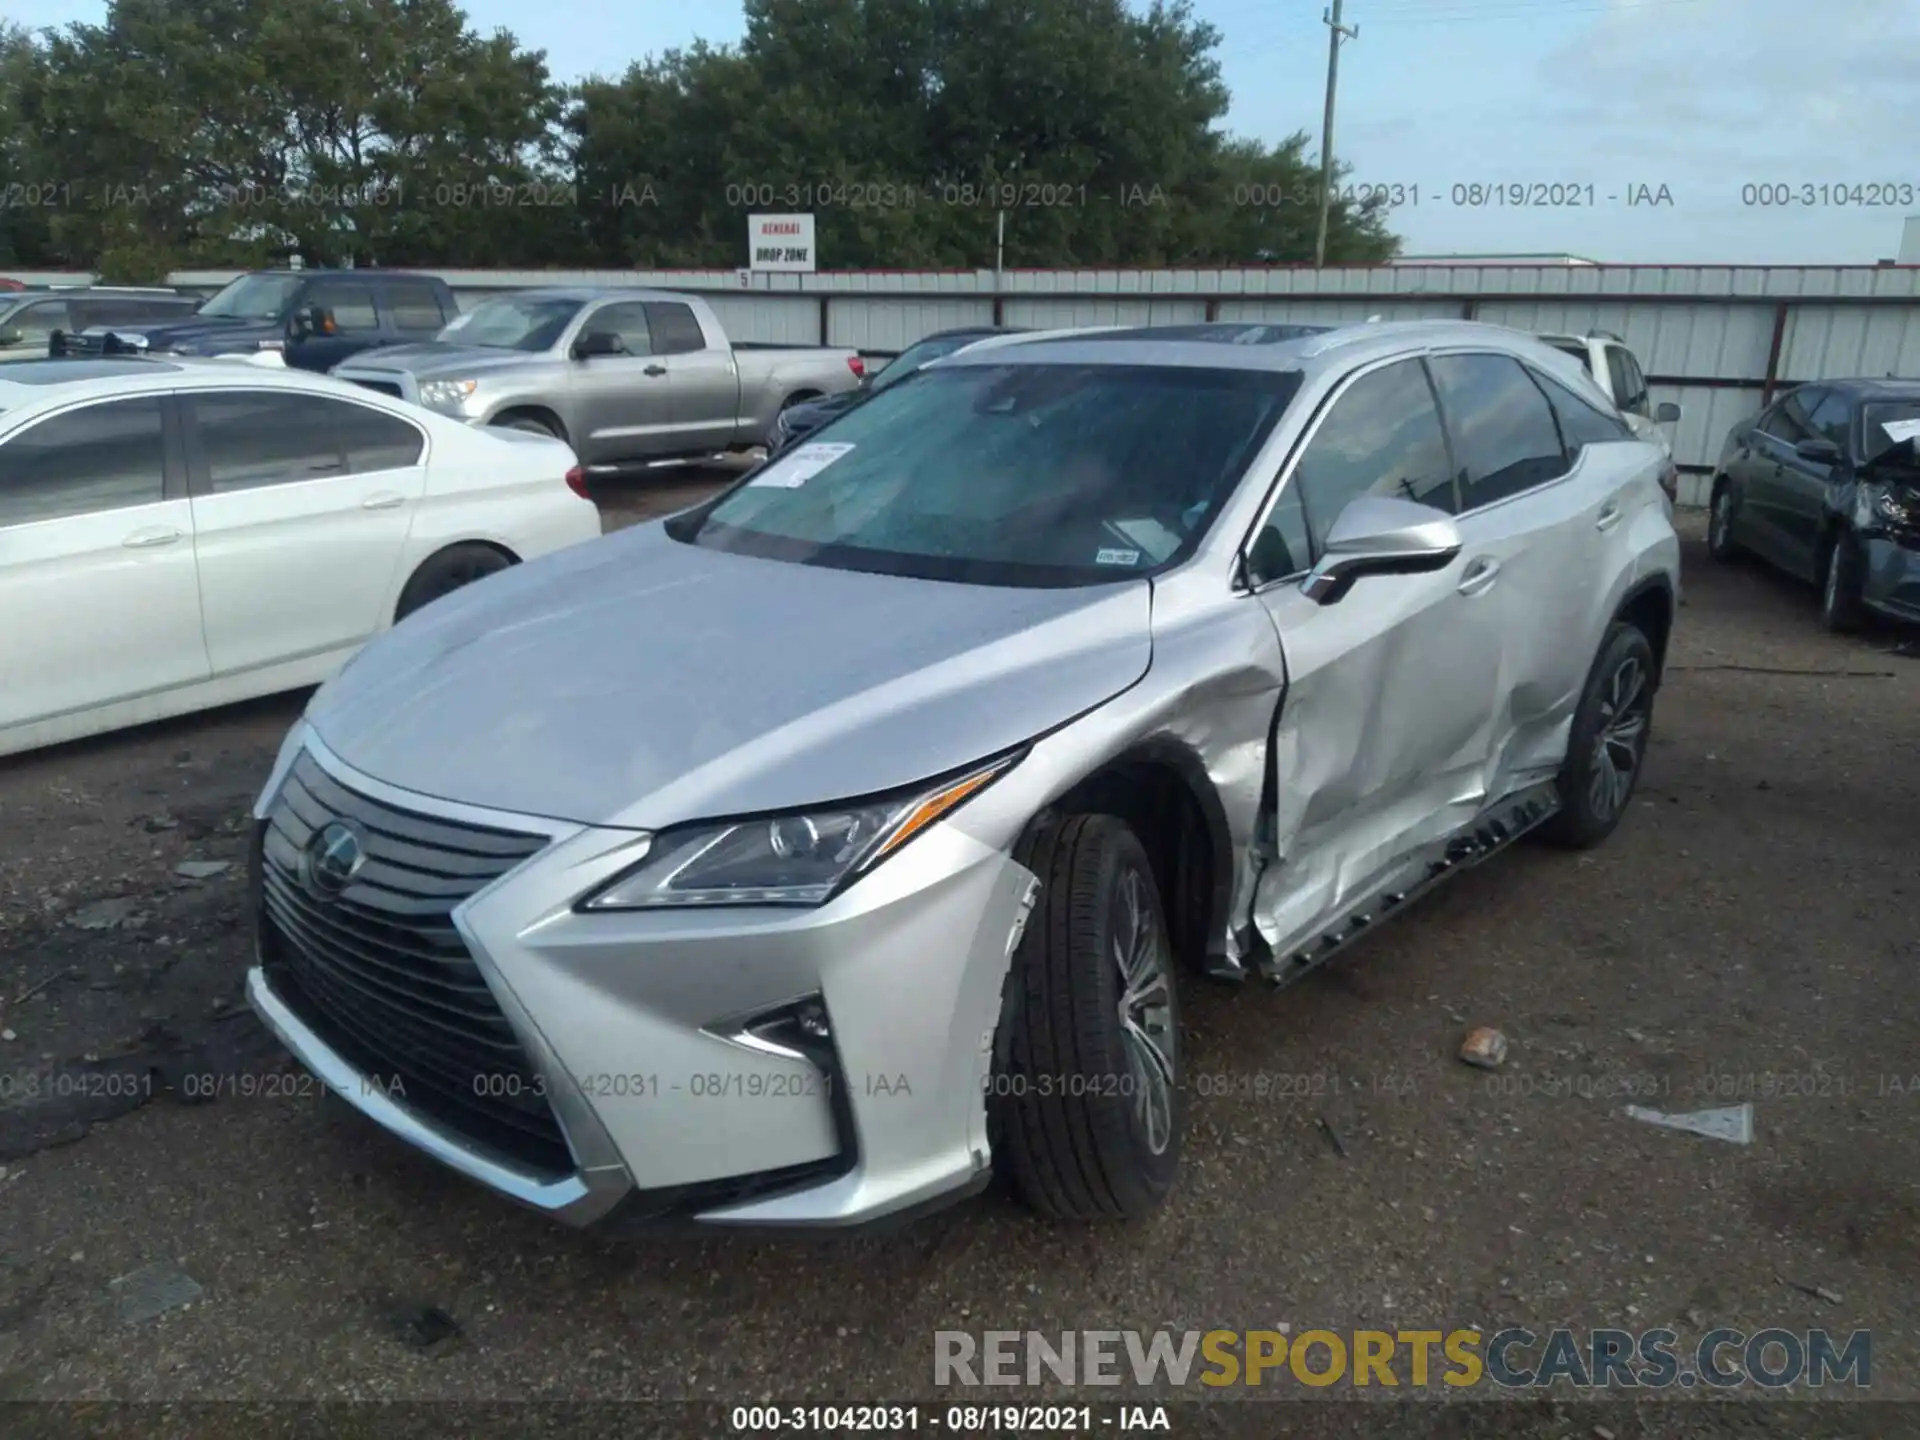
(1039, 475)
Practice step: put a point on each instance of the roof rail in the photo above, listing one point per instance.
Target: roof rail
(1604, 335)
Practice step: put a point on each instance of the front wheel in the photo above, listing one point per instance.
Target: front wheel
(1720, 542)
(1085, 1104)
(1842, 584)
(1608, 743)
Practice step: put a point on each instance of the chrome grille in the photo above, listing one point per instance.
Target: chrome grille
(380, 973)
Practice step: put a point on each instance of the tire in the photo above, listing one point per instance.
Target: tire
(1843, 578)
(1084, 1124)
(449, 570)
(532, 424)
(1720, 542)
(1608, 744)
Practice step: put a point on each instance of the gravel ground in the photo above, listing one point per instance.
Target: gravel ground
(1748, 934)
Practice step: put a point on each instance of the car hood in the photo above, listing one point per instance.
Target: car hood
(162, 333)
(437, 360)
(638, 681)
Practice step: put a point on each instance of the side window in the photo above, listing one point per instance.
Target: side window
(1382, 437)
(374, 440)
(1634, 398)
(416, 307)
(100, 457)
(350, 301)
(629, 322)
(1581, 422)
(676, 331)
(1619, 381)
(1504, 435)
(1832, 419)
(251, 438)
(105, 312)
(1787, 421)
(36, 323)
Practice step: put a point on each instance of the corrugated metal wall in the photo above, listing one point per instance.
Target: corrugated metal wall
(1716, 340)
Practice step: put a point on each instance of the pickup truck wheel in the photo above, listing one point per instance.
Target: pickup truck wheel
(1608, 743)
(1842, 581)
(446, 572)
(1085, 1105)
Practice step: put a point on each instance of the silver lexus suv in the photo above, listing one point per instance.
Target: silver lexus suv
(811, 856)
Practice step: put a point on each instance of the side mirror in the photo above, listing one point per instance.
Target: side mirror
(1668, 414)
(598, 342)
(1381, 535)
(10, 337)
(1818, 450)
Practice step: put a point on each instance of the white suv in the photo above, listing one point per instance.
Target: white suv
(1605, 357)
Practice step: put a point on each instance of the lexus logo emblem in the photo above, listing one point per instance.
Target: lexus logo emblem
(333, 857)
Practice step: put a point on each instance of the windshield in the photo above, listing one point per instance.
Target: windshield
(513, 322)
(1039, 475)
(914, 356)
(1876, 416)
(253, 297)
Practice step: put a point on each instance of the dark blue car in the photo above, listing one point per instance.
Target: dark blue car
(796, 422)
(313, 318)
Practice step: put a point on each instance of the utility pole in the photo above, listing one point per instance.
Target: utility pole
(1338, 33)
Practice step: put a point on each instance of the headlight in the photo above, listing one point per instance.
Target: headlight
(782, 859)
(1875, 506)
(446, 393)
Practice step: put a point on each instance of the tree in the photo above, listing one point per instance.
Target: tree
(350, 131)
(31, 191)
(906, 126)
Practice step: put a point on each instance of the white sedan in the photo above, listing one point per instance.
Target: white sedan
(177, 534)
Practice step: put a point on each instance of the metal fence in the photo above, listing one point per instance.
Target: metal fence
(1717, 340)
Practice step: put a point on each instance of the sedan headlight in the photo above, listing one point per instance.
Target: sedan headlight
(783, 859)
(446, 394)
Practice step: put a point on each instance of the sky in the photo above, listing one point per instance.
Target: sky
(1749, 131)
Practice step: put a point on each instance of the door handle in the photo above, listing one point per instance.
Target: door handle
(1480, 577)
(1610, 515)
(384, 500)
(151, 537)
(655, 370)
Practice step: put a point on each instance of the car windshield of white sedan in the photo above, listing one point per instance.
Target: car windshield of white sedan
(512, 323)
(1033, 474)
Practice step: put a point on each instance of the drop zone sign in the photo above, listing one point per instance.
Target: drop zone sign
(780, 242)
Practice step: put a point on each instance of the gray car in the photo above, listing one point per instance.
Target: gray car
(625, 376)
(808, 856)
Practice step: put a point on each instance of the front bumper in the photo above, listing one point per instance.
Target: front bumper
(1892, 581)
(659, 1046)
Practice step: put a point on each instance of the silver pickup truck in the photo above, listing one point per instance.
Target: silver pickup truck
(625, 376)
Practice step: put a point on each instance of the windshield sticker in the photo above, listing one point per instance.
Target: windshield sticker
(1150, 535)
(794, 469)
(1117, 557)
(1898, 430)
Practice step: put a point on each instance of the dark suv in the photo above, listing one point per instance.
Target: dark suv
(29, 317)
(314, 318)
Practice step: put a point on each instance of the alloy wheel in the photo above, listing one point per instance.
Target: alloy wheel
(1146, 1008)
(1722, 521)
(1623, 734)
